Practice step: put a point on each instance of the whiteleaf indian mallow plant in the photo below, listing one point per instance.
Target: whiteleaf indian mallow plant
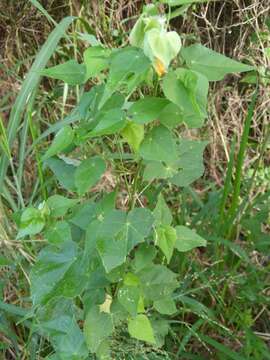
(109, 269)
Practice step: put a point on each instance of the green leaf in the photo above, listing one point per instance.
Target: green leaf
(62, 140)
(147, 109)
(162, 213)
(157, 281)
(138, 226)
(190, 164)
(133, 134)
(159, 145)
(70, 72)
(98, 326)
(161, 329)
(112, 251)
(210, 63)
(187, 239)
(166, 238)
(96, 60)
(140, 328)
(143, 24)
(88, 173)
(188, 90)
(144, 256)
(31, 222)
(51, 266)
(129, 297)
(63, 172)
(108, 122)
(59, 205)
(58, 233)
(117, 234)
(66, 337)
(171, 116)
(158, 170)
(165, 306)
(128, 68)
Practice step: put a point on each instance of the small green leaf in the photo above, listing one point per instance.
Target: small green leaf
(133, 134)
(210, 63)
(157, 282)
(96, 60)
(147, 109)
(144, 256)
(70, 72)
(88, 173)
(140, 328)
(98, 326)
(161, 329)
(165, 306)
(58, 233)
(31, 222)
(159, 145)
(108, 122)
(187, 239)
(62, 140)
(166, 238)
(63, 172)
(171, 116)
(59, 205)
(112, 251)
(162, 213)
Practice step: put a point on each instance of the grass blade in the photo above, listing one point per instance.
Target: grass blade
(29, 85)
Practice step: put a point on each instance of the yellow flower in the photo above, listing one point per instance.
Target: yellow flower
(159, 67)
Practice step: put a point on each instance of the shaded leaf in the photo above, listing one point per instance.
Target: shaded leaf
(31, 222)
(147, 109)
(62, 140)
(70, 72)
(165, 306)
(166, 238)
(187, 239)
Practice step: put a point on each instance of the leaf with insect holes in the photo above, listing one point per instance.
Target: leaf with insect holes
(70, 72)
(62, 140)
(129, 297)
(210, 63)
(187, 239)
(140, 328)
(159, 145)
(147, 109)
(31, 222)
(96, 59)
(88, 173)
(165, 239)
(133, 134)
(98, 326)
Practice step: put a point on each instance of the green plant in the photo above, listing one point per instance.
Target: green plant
(110, 266)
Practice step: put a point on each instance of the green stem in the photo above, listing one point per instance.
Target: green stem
(240, 161)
